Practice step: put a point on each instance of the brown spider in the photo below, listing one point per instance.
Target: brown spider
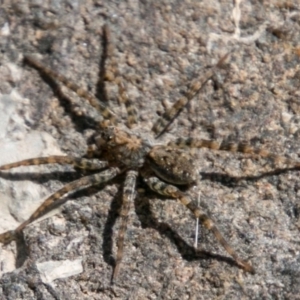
(162, 167)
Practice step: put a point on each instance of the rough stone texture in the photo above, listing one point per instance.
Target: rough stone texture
(159, 46)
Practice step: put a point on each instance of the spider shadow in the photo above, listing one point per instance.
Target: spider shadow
(231, 181)
(148, 219)
(22, 251)
(187, 252)
(81, 122)
(142, 209)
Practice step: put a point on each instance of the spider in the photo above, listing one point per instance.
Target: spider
(164, 168)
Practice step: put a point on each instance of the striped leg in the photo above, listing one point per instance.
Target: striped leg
(113, 75)
(233, 147)
(94, 179)
(103, 109)
(195, 88)
(77, 162)
(130, 108)
(128, 196)
(169, 190)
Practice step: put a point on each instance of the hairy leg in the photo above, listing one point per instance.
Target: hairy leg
(128, 196)
(172, 191)
(195, 88)
(94, 179)
(103, 109)
(233, 147)
(77, 162)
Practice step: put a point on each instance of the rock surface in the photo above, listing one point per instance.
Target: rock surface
(159, 47)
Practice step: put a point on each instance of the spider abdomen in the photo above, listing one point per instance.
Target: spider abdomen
(172, 165)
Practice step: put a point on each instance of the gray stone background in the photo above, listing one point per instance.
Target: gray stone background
(159, 46)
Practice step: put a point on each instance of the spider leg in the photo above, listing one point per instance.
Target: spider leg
(130, 108)
(113, 74)
(195, 88)
(233, 147)
(94, 179)
(77, 162)
(128, 196)
(172, 191)
(103, 109)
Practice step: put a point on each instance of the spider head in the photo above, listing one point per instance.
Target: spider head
(107, 138)
(124, 148)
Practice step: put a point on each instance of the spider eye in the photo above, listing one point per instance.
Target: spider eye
(104, 138)
(107, 135)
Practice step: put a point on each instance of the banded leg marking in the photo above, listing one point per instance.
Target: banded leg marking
(233, 147)
(128, 197)
(169, 190)
(195, 88)
(130, 108)
(113, 75)
(82, 163)
(94, 179)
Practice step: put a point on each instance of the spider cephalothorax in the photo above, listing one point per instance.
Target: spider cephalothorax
(121, 147)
